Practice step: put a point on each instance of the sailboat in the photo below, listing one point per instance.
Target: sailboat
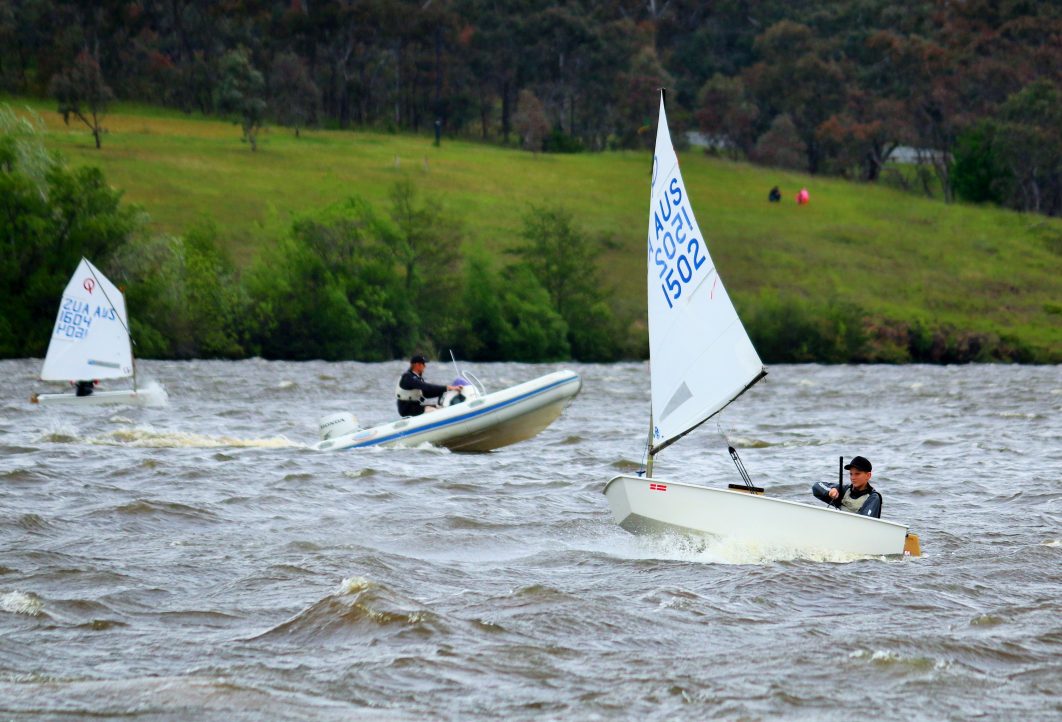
(701, 360)
(90, 341)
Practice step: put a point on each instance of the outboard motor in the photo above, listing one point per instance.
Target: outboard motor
(467, 393)
(339, 424)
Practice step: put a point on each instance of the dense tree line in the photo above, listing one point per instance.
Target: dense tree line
(354, 281)
(348, 281)
(822, 87)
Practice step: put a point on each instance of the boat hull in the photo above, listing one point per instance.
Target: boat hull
(129, 397)
(490, 422)
(647, 506)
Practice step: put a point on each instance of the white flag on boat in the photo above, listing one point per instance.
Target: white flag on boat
(701, 358)
(90, 339)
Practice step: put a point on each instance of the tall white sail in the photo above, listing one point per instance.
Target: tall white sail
(91, 338)
(701, 356)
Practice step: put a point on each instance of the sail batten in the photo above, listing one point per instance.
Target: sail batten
(701, 356)
(90, 339)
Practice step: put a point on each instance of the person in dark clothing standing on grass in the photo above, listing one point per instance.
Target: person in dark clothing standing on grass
(859, 497)
(412, 389)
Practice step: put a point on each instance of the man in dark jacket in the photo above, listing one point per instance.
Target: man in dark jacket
(412, 389)
(859, 497)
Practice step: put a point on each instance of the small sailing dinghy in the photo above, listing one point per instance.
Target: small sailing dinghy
(472, 420)
(701, 360)
(90, 341)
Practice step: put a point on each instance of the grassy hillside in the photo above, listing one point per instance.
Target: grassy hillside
(899, 256)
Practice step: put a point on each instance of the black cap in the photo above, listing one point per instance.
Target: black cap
(859, 464)
(418, 359)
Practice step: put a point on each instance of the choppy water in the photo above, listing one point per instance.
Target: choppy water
(196, 561)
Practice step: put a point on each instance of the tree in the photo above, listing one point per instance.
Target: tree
(530, 121)
(563, 260)
(726, 112)
(296, 98)
(50, 216)
(637, 97)
(426, 242)
(330, 290)
(82, 93)
(240, 93)
(509, 317)
(1029, 144)
(781, 146)
(187, 295)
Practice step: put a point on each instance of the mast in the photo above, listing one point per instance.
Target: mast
(649, 446)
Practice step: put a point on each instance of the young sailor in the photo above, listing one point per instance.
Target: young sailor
(859, 497)
(412, 389)
(84, 388)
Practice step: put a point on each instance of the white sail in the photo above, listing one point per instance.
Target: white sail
(701, 356)
(91, 338)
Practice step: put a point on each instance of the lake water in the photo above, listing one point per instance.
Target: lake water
(196, 560)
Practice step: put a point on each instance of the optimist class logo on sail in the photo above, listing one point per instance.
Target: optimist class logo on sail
(676, 250)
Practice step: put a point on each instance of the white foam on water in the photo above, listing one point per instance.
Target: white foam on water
(353, 585)
(153, 394)
(890, 657)
(149, 437)
(21, 603)
(705, 550)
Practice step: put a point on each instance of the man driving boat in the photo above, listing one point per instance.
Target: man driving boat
(412, 390)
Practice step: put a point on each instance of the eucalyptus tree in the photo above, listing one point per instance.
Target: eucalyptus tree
(82, 94)
(296, 99)
(240, 93)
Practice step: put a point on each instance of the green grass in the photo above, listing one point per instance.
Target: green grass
(895, 254)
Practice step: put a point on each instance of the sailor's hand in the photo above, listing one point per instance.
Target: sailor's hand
(832, 493)
(454, 388)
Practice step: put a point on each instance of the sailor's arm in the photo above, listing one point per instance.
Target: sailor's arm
(431, 391)
(829, 493)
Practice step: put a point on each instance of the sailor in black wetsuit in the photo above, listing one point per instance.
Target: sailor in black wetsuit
(84, 388)
(859, 497)
(412, 389)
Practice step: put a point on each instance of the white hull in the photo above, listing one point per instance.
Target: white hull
(645, 506)
(492, 421)
(130, 397)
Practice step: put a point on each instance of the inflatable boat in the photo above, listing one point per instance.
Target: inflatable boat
(469, 420)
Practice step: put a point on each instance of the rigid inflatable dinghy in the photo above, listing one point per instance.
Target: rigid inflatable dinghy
(469, 420)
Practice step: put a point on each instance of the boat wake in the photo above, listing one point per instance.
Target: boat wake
(706, 550)
(148, 437)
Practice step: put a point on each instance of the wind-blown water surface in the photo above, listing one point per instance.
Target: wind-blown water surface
(196, 560)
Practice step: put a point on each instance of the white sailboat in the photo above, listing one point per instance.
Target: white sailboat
(90, 341)
(701, 360)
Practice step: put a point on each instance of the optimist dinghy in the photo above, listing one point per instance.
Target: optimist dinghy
(471, 420)
(90, 341)
(702, 360)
